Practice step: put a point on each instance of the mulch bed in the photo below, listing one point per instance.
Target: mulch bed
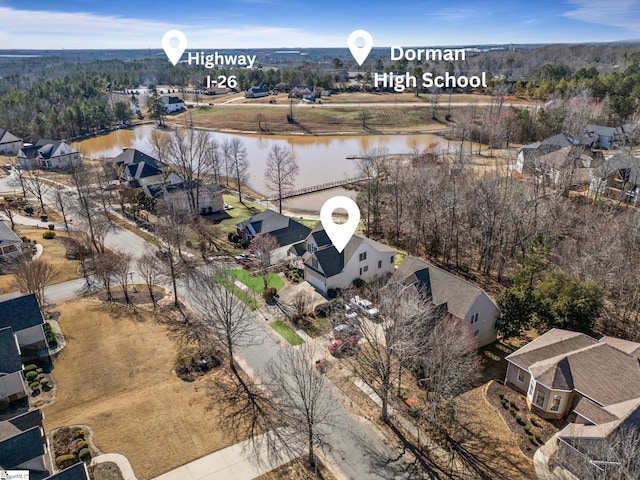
(544, 428)
(105, 471)
(139, 297)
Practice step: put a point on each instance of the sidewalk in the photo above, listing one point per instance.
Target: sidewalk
(236, 462)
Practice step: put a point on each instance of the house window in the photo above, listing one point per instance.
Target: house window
(521, 376)
(365, 268)
(474, 318)
(379, 263)
(360, 271)
(392, 258)
(532, 385)
(556, 403)
(311, 247)
(363, 256)
(540, 399)
(314, 262)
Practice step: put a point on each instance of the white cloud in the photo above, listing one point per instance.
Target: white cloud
(56, 30)
(613, 13)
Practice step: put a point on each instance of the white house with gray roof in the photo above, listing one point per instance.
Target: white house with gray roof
(9, 143)
(325, 268)
(23, 316)
(454, 296)
(48, 154)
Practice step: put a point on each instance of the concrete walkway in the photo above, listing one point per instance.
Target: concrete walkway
(236, 462)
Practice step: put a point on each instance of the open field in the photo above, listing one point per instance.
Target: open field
(115, 375)
(54, 253)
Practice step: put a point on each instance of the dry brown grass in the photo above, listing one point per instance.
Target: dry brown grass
(115, 375)
(54, 253)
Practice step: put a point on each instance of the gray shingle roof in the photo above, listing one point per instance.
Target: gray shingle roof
(8, 236)
(20, 313)
(21, 448)
(286, 230)
(627, 165)
(7, 137)
(133, 155)
(9, 354)
(439, 286)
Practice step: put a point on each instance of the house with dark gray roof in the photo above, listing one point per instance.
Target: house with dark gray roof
(617, 178)
(77, 471)
(528, 155)
(453, 296)
(325, 268)
(601, 137)
(48, 154)
(594, 383)
(10, 243)
(286, 231)
(194, 198)
(172, 104)
(12, 385)
(23, 316)
(141, 170)
(23, 444)
(9, 143)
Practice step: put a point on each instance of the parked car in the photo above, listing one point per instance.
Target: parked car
(347, 329)
(365, 306)
(340, 347)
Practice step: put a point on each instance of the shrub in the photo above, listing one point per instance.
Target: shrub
(505, 405)
(64, 461)
(322, 310)
(536, 436)
(512, 403)
(34, 385)
(268, 294)
(534, 421)
(527, 428)
(44, 218)
(44, 383)
(332, 293)
(501, 395)
(503, 402)
(28, 210)
(31, 376)
(518, 418)
(78, 433)
(532, 439)
(84, 455)
(358, 282)
(512, 410)
(51, 226)
(49, 234)
(31, 368)
(82, 444)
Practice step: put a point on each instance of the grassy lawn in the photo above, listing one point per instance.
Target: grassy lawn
(247, 299)
(239, 213)
(256, 283)
(115, 375)
(288, 333)
(54, 253)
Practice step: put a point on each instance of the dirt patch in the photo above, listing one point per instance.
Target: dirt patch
(138, 295)
(193, 362)
(116, 376)
(105, 471)
(537, 432)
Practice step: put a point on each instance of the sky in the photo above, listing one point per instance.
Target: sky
(216, 24)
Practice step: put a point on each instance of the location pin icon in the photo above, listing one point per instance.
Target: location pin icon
(340, 233)
(360, 53)
(174, 53)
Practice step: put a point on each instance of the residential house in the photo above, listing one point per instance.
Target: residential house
(453, 296)
(10, 243)
(9, 143)
(256, 92)
(180, 196)
(617, 178)
(23, 445)
(303, 92)
(594, 383)
(140, 170)
(326, 269)
(23, 316)
(286, 231)
(598, 136)
(48, 154)
(12, 386)
(528, 155)
(172, 104)
(569, 166)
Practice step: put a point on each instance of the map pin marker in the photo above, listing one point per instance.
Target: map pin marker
(340, 233)
(174, 53)
(360, 53)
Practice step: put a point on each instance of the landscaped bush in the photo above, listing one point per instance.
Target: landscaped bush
(513, 404)
(512, 410)
(536, 436)
(51, 226)
(64, 461)
(501, 395)
(527, 428)
(358, 283)
(534, 421)
(34, 385)
(84, 455)
(82, 444)
(518, 418)
(48, 235)
(78, 433)
(31, 376)
(31, 367)
(51, 337)
(269, 294)
(322, 310)
(505, 405)
(28, 210)
(532, 439)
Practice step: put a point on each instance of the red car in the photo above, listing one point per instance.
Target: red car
(341, 346)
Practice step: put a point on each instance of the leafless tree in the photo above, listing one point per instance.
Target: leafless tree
(35, 184)
(281, 172)
(235, 155)
(61, 201)
(147, 266)
(105, 266)
(82, 179)
(403, 315)
(301, 398)
(7, 209)
(617, 456)
(171, 231)
(369, 198)
(301, 302)
(34, 277)
(121, 273)
(263, 246)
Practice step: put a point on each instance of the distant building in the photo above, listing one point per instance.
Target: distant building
(618, 178)
(256, 92)
(140, 170)
(9, 143)
(23, 316)
(172, 104)
(598, 136)
(48, 154)
(178, 197)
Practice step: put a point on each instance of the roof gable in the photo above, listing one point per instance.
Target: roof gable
(7, 137)
(8, 236)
